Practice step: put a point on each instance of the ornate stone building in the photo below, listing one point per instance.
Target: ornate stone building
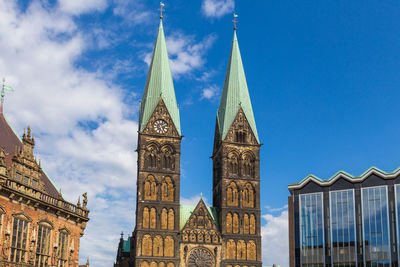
(37, 226)
(168, 234)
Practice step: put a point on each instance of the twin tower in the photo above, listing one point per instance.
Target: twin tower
(168, 234)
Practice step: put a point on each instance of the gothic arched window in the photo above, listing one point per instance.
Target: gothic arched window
(241, 250)
(252, 224)
(158, 246)
(169, 247)
(147, 245)
(248, 165)
(232, 195)
(231, 249)
(229, 222)
(251, 251)
(150, 188)
(146, 218)
(167, 190)
(151, 156)
(246, 224)
(233, 163)
(248, 196)
(153, 218)
(171, 219)
(235, 223)
(164, 219)
(168, 161)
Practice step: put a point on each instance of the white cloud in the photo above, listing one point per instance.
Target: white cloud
(81, 122)
(275, 239)
(132, 12)
(217, 8)
(211, 92)
(77, 7)
(185, 54)
(272, 210)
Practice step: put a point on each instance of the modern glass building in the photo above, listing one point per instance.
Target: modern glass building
(345, 220)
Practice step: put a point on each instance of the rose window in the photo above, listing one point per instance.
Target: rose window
(201, 257)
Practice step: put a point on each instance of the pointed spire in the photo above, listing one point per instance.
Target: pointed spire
(235, 94)
(159, 85)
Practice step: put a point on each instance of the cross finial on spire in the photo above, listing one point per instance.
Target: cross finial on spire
(161, 9)
(201, 195)
(235, 21)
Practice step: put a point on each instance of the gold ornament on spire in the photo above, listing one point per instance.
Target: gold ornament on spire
(235, 21)
(161, 9)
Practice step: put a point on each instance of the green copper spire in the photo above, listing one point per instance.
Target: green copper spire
(159, 85)
(235, 94)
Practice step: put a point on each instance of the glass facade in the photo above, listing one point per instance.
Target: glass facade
(312, 230)
(343, 228)
(376, 226)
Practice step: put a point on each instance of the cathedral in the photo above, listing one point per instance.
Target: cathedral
(168, 234)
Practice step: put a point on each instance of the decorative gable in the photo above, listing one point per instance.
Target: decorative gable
(161, 113)
(240, 130)
(201, 227)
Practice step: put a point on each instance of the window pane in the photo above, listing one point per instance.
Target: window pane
(343, 227)
(311, 229)
(375, 223)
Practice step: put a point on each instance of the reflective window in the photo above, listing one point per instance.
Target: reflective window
(343, 228)
(311, 230)
(43, 246)
(19, 240)
(376, 226)
(397, 216)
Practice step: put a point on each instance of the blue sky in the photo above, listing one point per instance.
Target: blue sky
(323, 77)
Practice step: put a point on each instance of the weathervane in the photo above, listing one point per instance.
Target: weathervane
(161, 9)
(234, 21)
(3, 91)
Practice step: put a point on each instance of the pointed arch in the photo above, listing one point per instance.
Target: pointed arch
(158, 246)
(241, 250)
(233, 163)
(248, 164)
(246, 224)
(171, 219)
(151, 155)
(235, 223)
(146, 218)
(168, 159)
(248, 196)
(251, 251)
(153, 218)
(164, 219)
(147, 245)
(231, 249)
(167, 189)
(252, 224)
(229, 222)
(232, 195)
(150, 188)
(169, 247)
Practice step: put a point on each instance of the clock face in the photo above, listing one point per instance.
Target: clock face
(160, 126)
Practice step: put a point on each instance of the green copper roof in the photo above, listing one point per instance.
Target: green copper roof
(159, 85)
(186, 211)
(126, 247)
(235, 94)
(341, 173)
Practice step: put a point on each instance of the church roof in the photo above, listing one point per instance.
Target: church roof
(235, 94)
(9, 141)
(159, 84)
(187, 210)
(126, 246)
